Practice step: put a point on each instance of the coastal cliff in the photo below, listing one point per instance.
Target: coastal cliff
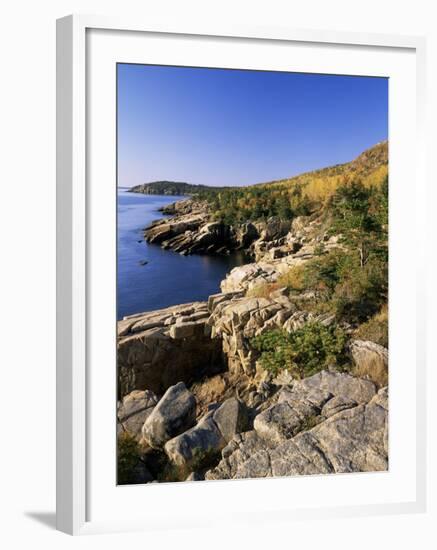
(283, 372)
(273, 423)
(258, 219)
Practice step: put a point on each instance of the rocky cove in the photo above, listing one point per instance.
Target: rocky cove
(194, 399)
(191, 231)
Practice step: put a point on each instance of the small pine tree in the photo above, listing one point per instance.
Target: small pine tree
(350, 207)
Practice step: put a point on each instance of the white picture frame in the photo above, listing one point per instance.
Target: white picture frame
(74, 394)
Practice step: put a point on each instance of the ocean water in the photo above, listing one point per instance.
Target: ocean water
(167, 278)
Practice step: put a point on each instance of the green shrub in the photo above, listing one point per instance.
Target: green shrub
(361, 292)
(303, 352)
(324, 272)
(354, 211)
(352, 292)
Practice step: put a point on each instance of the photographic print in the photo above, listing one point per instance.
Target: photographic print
(252, 274)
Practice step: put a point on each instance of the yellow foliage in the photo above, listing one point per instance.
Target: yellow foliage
(293, 278)
(371, 167)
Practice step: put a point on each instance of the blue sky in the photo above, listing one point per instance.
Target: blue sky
(232, 127)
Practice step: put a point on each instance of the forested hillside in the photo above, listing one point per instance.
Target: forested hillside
(170, 188)
(300, 195)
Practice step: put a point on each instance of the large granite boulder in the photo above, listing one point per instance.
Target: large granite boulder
(231, 418)
(336, 383)
(275, 228)
(304, 403)
(293, 413)
(134, 410)
(196, 447)
(174, 414)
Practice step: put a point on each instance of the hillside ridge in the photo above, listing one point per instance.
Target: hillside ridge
(167, 187)
(368, 161)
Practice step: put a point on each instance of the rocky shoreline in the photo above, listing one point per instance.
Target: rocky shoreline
(190, 230)
(192, 392)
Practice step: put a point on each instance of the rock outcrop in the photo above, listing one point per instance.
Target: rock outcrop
(370, 359)
(275, 244)
(160, 348)
(272, 262)
(174, 414)
(134, 410)
(236, 318)
(221, 416)
(328, 423)
(338, 384)
(198, 446)
(311, 430)
(231, 418)
(190, 230)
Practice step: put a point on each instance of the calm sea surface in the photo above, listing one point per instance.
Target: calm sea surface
(168, 278)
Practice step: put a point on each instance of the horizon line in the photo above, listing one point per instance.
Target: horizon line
(259, 182)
